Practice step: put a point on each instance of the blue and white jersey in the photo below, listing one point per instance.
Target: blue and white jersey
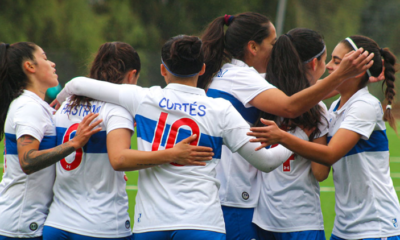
(239, 84)
(170, 196)
(89, 195)
(366, 202)
(25, 199)
(289, 199)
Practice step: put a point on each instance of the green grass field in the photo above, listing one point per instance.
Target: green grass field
(327, 187)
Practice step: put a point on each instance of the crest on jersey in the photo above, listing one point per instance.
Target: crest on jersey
(127, 224)
(395, 223)
(33, 226)
(245, 195)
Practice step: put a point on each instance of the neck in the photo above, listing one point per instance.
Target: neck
(347, 90)
(40, 92)
(192, 81)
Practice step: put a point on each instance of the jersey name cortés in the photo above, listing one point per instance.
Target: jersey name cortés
(25, 199)
(170, 196)
(89, 195)
(239, 84)
(366, 202)
(290, 194)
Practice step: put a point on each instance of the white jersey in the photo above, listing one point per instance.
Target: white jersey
(289, 199)
(239, 84)
(171, 196)
(366, 202)
(89, 195)
(25, 199)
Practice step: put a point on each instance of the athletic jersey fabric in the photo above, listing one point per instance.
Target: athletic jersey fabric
(239, 84)
(290, 194)
(25, 199)
(366, 202)
(89, 195)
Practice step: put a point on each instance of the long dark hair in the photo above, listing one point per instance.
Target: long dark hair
(182, 55)
(287, 70)
(391, 67)
(13, 79)
(220, 46)
(113, 60)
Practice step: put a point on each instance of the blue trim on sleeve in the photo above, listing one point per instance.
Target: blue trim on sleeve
(377, 142)
(11, 143)
(250, 114)
(146, 129)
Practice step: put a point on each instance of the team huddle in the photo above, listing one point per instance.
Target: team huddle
(234, 147)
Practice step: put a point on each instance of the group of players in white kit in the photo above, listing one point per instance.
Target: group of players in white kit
(195, 150)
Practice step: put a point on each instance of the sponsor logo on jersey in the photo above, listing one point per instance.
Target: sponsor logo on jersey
(33, 226)
(140, 215)
(245, 195)
(221, 73)
(127, 224)
(395, 223)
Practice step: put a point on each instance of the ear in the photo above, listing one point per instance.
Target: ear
(252, 47)
(29, 67)
(133, 76)
(313, 64)
(163, 70)
(203, 69)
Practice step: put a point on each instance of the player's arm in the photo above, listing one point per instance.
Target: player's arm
(340, 144)
(33, 160)
(290, 107)
(320, 172)
(124, 159)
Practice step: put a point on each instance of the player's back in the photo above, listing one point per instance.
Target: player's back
(89, 195)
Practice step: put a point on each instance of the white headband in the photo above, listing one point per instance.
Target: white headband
(316, 56)
(356, 48)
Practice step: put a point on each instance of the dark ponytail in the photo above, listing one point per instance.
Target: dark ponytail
(287, 70)
(183, 56)
(13, 79)
(112, 62)
(391, 67)
(219, 46)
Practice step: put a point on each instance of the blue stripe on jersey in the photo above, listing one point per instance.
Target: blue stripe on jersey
(11, 143)
(146, 129)
(377, 142)
(250, 114)
(96, 144)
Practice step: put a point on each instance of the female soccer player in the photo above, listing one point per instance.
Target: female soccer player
(30, 139)
(90, 201)
(367, 206)
(297, 62)
(245, 47)
(175, 201)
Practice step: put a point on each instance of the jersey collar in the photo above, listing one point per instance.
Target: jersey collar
(353, 98)
(185, 88)
(37, 99)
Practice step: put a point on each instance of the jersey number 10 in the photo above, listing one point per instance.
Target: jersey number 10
(173, 132)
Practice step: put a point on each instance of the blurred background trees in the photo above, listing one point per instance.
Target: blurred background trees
(70, 31)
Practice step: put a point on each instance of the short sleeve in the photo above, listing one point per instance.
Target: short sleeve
(360, 118)
(323, 126)
(29, 120)
(248, 85)
(118, 117)
(234, 129)
(131, 96)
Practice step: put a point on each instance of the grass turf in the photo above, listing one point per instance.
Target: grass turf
(327, 193)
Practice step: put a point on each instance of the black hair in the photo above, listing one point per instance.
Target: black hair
(220, 46)
(112, 62)
(287, 70)
(391, 67)
(13, 79)
(182, 55)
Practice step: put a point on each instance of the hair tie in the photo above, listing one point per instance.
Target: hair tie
(289, 36)
(228, 19)
(388, 106)
(381, 50)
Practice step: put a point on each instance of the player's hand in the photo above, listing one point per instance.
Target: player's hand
(86, 130)
(186, 154)
(268, 135)
(355, 63)
(55, 104)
